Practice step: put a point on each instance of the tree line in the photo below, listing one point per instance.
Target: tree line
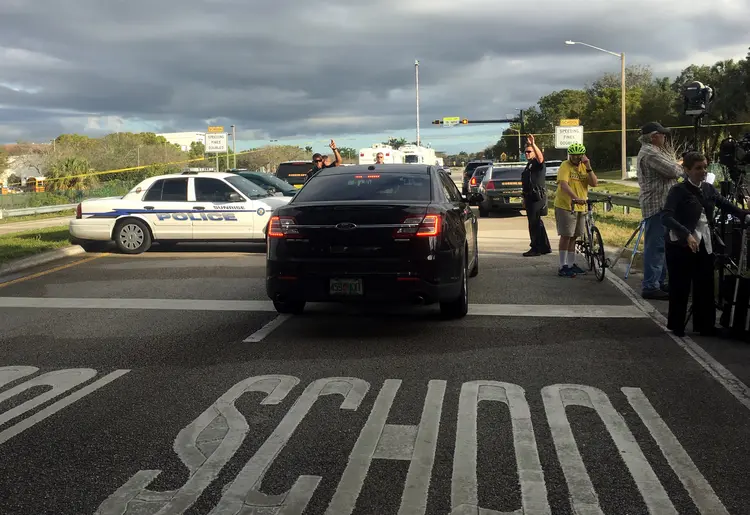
(648, 98)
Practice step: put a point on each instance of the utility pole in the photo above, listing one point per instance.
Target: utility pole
(234, 147)
(416, 72)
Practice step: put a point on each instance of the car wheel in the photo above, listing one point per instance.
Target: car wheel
(291, 307)
(132, 236)
(459, 307)
(475, 269)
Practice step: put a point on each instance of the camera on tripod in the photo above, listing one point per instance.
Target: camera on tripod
(697, 99)
(735, 154)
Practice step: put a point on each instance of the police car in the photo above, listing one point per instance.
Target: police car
(191, 206)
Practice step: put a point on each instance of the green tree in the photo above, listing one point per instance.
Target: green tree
(197, 149)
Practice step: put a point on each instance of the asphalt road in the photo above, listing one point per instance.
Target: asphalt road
(166, 383)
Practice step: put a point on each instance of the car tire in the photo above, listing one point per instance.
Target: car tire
(289, 307)
(132, 236)
(459, 307)
(475, 269)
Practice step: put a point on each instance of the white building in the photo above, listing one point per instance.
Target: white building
(184, 139)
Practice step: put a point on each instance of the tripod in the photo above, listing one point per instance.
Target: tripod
(639, 233)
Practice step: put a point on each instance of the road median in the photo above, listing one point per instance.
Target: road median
(26, 249)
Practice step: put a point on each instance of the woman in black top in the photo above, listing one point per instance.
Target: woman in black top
(689, 220)
(535, 199)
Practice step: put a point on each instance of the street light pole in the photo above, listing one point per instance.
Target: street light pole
(623, 91)
(234, 148)
(416, 72)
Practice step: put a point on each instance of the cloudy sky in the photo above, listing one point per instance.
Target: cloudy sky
(303, 71)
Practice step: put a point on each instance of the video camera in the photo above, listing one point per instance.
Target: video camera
(735, 154)
(697, 99)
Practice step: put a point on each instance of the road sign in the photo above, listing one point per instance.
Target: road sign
(450, 121)
(216, 129)
(503, 157)
(570, 122)
(216, 143)
(566, 136)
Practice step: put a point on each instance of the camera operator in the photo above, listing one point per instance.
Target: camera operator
(689, 218)
(657, 173)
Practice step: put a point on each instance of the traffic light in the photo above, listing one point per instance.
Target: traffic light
(464, 121)
(435, 122)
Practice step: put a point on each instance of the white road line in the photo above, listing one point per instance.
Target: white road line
(267, 329)
(516, 310)
(728, 380)
(37, 417)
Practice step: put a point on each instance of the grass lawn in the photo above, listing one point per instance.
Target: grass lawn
(27, 243)
(30, 218)
(616, 228)
(615, 188)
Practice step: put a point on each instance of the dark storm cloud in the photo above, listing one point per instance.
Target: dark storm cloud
(293, 67)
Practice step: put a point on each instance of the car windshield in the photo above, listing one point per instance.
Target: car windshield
(500, 174)
(479, 172)
(270, 180)
(294, 173)
(247, 188)
(344, 187)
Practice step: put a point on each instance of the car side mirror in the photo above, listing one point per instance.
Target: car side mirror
(475, 199)
(464, 198)
(235, 197)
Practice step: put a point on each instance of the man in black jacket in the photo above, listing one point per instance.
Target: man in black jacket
(319, 161)
(535, 198)
(688, 217)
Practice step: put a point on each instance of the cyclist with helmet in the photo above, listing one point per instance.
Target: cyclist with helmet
(573, 180)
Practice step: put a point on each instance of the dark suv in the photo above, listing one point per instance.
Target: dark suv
(294, 172)
(469, 171)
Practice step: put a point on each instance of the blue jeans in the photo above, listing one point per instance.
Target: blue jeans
(654, 266)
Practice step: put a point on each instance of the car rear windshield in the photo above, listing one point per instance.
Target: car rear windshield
(293, 173)
(385, 187)
(505, 174)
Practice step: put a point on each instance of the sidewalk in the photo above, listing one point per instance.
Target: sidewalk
(9, 228)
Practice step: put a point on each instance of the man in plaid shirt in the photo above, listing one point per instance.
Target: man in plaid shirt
(657, 173)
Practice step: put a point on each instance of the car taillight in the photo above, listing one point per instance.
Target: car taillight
(490, 185)
(79, 212)
(473, 181)
(428, 225)
(282, 227)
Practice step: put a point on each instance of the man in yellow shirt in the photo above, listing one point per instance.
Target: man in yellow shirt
(573, 180)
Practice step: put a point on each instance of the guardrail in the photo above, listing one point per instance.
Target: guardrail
(627, 202)
(7, 213)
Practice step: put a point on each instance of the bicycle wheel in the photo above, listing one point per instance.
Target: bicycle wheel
(598, 259)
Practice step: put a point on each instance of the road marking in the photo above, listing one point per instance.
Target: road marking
(728, 380)
(53, 408)
(464, 483)
(508, 310)
(51, 270)
(583, 496)
(267, 329)
(207, 444)
(700, 491)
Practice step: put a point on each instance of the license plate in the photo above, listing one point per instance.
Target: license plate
(515, 200)
(346, 287)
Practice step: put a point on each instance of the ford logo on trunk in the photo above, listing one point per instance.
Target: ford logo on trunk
(346, 226)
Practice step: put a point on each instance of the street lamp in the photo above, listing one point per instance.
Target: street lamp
(623, 122)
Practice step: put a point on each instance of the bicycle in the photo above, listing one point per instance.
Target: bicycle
(592, 246)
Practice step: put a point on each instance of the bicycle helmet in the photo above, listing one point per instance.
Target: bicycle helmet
(576, 149)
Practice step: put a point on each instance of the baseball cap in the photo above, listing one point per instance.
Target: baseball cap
(654, 127)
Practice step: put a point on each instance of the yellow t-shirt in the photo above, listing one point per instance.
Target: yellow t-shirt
(577, 178)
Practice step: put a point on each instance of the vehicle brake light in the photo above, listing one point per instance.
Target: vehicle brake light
(282, 227)
(473, 181)
(490, 185)
(428, 225)
(361, 154)
(79, 212)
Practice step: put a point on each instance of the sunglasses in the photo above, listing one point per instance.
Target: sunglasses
(529, 152)
(317, 161)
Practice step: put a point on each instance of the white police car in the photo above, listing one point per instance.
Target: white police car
(191, 206)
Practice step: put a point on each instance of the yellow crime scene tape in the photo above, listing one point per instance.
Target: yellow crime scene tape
(246, 152)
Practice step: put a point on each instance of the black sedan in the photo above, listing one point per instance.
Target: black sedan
(373, 233)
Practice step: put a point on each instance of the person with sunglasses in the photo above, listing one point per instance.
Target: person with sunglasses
(319, 161)
(535, 198)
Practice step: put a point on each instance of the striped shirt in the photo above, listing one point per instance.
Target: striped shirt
(657, 173)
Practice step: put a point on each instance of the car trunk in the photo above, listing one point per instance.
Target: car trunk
(331, 235)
